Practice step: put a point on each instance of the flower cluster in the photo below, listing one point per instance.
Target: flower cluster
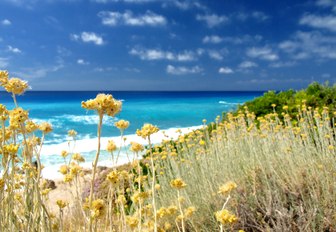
(103, 104)
(147, 130)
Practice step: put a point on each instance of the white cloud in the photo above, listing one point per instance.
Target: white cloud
(327, 3)
(181, 70)
(216, 55)
(184, 4)
(82, 62)
(215, 39)
(125, 1)
(260, 16)
(6, 22)
(157, 54)
(225, 70)
(304, 45)
(322, 22)
(113, 18)
(12, 49)
(247, 64)
(88, 37)
(213, 19)
(242, 39)
(3, 62)
(282, 64)
(263, 53)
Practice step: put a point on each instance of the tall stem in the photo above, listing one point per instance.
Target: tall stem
(153, 184)
(94, 166)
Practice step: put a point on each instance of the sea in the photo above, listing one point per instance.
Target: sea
(167, 110)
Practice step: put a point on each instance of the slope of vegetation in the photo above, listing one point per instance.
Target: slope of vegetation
(261, 171)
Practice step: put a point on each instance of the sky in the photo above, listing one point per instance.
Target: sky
(183, 45)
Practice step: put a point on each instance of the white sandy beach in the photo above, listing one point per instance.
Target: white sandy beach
(89, 145)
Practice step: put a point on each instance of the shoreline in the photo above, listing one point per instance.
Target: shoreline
(88, 146)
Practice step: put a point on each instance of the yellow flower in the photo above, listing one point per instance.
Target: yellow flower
(78, 157)
(61, 204)
(189, 211)
(225, 217)
(31, 126)
(147, 130)
(45, 127)
(177, 183)
(111, 146)
(103, 104)
(122, 124)
(132, 222)
(285, 107)
(97, 208)
(3, 77)
(113, 177)
(17, 117)
(72, 133)
(64, 154)
(136, 147)
(10, 148)
(64, 169)
(227, 187)
(16, 86)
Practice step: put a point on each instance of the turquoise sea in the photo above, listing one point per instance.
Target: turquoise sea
(164, 109)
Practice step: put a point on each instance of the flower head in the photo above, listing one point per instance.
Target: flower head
(227, 187)
(111, 146)
(177, 183)
(225, 217)
(147, 130)
(45, 127)
(136, 147)
(122, 124)
(16, 86)
(103, 104)
(3, 77)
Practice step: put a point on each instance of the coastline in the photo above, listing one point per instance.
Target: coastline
(88, 147)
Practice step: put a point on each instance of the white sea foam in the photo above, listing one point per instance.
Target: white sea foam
(87, 119)
(88, 145)
(228, 103)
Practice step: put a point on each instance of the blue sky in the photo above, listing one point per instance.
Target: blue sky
(168, 45)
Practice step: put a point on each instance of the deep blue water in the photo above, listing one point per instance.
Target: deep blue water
(163, 109)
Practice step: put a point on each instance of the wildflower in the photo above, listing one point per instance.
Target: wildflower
(121, 199)
(136, 147)
(72, 133)
(147, 130)
(64, 154)
(285, 107)
(189, 211)
(11, 148)
(2, 183)
(132, 222)
(45, 127)
(139, 196)
(177, 183)
(16, 86)
(122, 124)
(78, 157)
(3, 77)
(75, 169)
(31, 127)
(227, 187)
(225, 217)
(64, 169)
(103, 104)
(273, 105)
(111, 146)
(61, 204)
(17, 117)
(113, 177)
(97, 208)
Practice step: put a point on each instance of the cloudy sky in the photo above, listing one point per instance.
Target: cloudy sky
(168, 44)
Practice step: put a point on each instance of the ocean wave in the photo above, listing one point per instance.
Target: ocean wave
(88, 144)
(229, 103)
(87, 119)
